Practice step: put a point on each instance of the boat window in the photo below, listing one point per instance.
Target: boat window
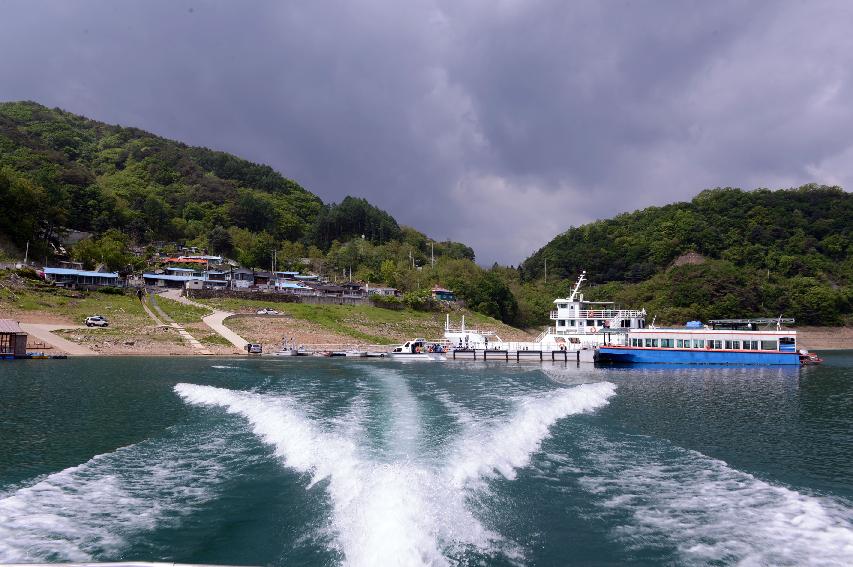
(732, 345)
(698, 343)
(750, 345)
(571, 322)
(562, 305)
(666, 343)
(651, 342)
(715, 344)
(636, 342)
(769, 345)
(786, 340)
(679, 343)
(590, 323)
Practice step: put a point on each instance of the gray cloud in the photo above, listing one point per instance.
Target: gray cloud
(496, 123)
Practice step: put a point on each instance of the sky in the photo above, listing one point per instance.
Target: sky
(497, 123)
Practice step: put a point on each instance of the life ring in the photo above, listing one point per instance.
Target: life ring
(595, 329)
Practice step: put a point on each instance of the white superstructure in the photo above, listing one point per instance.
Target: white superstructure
(578, 324)
(585, 323)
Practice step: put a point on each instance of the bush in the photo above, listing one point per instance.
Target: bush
(28, 273)
(110, 290)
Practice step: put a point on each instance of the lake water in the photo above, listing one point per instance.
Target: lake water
(328, 462)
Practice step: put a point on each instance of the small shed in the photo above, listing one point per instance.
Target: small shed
(13, 339)
(443, 294)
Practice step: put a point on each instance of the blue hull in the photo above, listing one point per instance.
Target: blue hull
(672, 356)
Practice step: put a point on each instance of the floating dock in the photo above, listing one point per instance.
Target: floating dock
(580, 355)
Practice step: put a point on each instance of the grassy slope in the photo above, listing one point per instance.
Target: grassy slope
(19, 297)
(371, 324)
(181, 312)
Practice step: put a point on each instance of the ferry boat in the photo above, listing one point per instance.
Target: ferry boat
(722, 341)
(419, 349)
(578, 324)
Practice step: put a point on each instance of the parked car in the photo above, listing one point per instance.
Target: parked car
(97, 321)
(254, 348)
(267, 312)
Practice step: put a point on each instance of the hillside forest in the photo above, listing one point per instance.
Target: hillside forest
(726, 253)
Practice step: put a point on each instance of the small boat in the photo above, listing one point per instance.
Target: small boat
(807, 357)
(418, 349)
(289, 348)
(376, 354)
(357, 353)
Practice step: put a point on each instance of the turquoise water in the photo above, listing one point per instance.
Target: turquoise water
(328, 462)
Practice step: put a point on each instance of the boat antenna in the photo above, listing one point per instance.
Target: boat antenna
(577, 286)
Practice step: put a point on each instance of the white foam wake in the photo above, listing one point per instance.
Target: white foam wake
(90, 510)
(404, 510)
(507, 447)
(713, 513)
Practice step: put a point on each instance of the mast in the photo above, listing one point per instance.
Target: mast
(577, 287)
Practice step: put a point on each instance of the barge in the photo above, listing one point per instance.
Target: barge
(721, 341)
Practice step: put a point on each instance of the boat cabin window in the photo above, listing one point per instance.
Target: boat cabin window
(732, 345)
(698, 343)
(769, 345)
(636, 342)
(562, 305)
(561, 323)
(651, 342)
(750, 345)
(667, 343)
(590, 323)
(679, 343)
(715, 344)
(571, 322)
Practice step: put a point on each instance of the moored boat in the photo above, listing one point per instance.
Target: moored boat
(419, 349)
(722, 341)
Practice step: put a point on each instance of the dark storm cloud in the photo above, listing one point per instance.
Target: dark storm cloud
(499, 123)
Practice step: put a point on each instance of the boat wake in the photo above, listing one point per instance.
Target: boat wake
(92, 510)
(711, 512)
(395, 507)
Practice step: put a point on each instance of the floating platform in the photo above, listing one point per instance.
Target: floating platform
(583, 355)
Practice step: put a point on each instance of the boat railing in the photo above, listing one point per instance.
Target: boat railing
(609, 314)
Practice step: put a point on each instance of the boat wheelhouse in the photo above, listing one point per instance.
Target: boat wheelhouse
(589, 323)
(722, 341)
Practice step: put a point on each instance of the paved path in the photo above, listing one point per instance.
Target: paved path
(44, 332)
(193, 342)
(151, 314)
(214, 320)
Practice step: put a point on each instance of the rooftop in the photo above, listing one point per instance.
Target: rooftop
(10, 326)
(73, 272)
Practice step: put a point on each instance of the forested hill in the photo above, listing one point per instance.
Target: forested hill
(61, 171)
(726, 253)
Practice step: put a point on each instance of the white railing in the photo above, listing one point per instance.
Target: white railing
(608, 314)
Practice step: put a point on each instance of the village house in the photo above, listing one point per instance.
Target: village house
(68, 277)
(443, 294)
(383, 291)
